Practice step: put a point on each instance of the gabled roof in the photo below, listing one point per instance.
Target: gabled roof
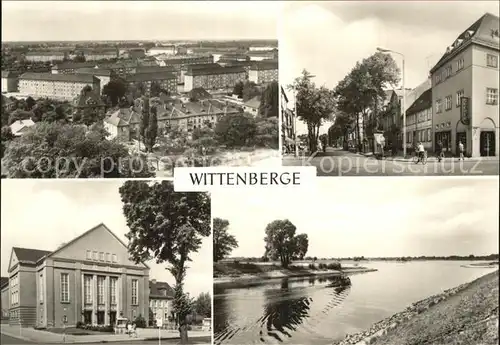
(199, 93)
(123, 117)
(157, 287)
(481, 32)
(422, 103)
(87, 99)
(29, 256)
(265, 65)
(19, 125)
(253, 103)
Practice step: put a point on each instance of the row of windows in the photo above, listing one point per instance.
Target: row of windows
(423, 135)
(14, 297)
(14, 281)
(158, 303)
(491, 98)
(88, 289)
(491, 61)
(424, 115)
(101, 256)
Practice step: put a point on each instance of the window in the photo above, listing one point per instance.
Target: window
(87, 287)
(460, 94)
(439, 106)
(89, 255)
(65, 287)
(429, 134)
(112, 290)
(40, 287)
(429, 114)
(115, 258)
(108, 257)
(94, 255)
(100, 290)
(491, 96)
(460, 64)
(101, 256)
(438, 78)
(448, 102)
(491, 60)
(135, 285)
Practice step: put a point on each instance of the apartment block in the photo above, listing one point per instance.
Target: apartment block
(214, 78)
(263, 72)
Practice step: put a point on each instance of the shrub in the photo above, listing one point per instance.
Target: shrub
(334, 266)
(322, 266)
(312, 266)
(79, 324)
(140, 321)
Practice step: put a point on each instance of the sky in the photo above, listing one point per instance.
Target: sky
(44, 214)
(137, 20)
(328, 38)
(371, 217)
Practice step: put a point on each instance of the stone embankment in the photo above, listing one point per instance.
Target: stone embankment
(464, 315)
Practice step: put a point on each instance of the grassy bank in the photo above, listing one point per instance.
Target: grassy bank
(236, 273)
(464, 315)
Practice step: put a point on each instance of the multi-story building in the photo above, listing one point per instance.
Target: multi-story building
(263, 72)
(179, 61)
(123, 124)
(164, 80)
(214, 78)
(287, 125)
(71, 67)
(90, 279)
(168, 50)
(187, 68)
(4, 288)
(10, 81)
(261, 48)
(98, 54)
(56, 86)
(161, 297)
(419, 121)
(465, 90)
(45, 56)
(260, 55)
(252, 106)
(88, 101)
(104, 75)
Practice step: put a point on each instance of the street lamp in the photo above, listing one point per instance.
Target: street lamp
(296, 115)
(403, 104)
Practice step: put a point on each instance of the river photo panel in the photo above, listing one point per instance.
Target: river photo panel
(352, 261)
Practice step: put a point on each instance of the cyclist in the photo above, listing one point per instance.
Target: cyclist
(421, 151)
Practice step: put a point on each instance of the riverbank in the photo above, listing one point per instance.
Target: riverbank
(237, 275)
(482, 265)
(464, 315)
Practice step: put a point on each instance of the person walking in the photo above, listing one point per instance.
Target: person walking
(461, 150)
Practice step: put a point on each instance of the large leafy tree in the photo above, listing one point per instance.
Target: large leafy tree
(302, 245)
(250, 90)
(115, 90)
(203, 304)
(151, 132)
(57, 150)
(143, 126)
(314, 106)
(269, 101)
(167, 227)
(281, 242)
(235, 130)
(224, 242)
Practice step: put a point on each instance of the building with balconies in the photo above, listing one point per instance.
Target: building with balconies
(213, 78)
(263, 72)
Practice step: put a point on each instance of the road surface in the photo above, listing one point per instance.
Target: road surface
(336, 162)
(199, 340)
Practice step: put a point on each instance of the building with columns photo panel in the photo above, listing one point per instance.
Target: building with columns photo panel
(91, 280)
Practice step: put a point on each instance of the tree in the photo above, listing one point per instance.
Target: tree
(152, 130)
(203, 304)
(235, 130)
(155, 89)
(238, 89)
(58, 150)
(269, 101)
(115, 90)
(224, 243)
(79, 58)
(250, 90)
(282, 244)
(30, 103)
(266, 134)
(166, 226)
(314, 106)
(143, 126)
(7, 136)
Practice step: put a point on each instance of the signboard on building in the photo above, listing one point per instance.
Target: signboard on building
(464, 110)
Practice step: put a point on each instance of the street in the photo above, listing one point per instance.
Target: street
(4, 339)
(336, 162)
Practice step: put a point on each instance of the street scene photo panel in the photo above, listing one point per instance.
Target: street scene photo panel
(372, 89)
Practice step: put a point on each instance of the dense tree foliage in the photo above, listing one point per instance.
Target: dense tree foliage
(115, 90)
(269, 103)
(282, 243)
(203, 304)
(224, 242)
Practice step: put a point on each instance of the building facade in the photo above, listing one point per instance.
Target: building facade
(287, 125)
(179, 61)
(56, 86)
(71, 67)
(45, 56)
(419, 122)
(164, 80)
(89, 280)
(10, 81)
(214, 78)
(123, 124)
(263, 72)
(465, 90)
(161, 297)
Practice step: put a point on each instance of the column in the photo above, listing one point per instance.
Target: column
(118, 296)
(107, 304)
(94, 299)
(83, 297)
(123, 295)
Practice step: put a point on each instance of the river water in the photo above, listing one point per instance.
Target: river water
(311, 311)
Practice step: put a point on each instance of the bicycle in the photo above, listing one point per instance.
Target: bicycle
(417, 158)
(440, 156)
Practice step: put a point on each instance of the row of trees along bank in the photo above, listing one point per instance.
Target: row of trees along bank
(355, 105)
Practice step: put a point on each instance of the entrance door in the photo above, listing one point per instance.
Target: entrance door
(112, 318)
(461, 137)
(487, 144)
(87, 317)
(100, 317)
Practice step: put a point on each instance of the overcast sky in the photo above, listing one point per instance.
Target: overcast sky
(43, 214)
(137, 20)
(373, 217)
(328, 38)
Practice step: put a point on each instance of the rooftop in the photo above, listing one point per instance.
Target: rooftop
(160, 289)
(253, 103)
(216, 70)
(96, 71)
(122, 117)
(140, 77)
(27, 255)
(75, 78)
(73, 65)
(422, 103)
(265, 65)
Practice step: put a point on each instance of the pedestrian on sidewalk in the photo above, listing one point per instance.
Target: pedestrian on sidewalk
(461, 150)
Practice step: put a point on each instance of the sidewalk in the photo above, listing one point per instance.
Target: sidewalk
(36, 336)
(429, 158)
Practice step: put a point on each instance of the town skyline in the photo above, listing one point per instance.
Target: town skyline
(339, 223)
(128, 23)
(90, 207)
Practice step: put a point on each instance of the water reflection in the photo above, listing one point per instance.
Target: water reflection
(289, 308)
